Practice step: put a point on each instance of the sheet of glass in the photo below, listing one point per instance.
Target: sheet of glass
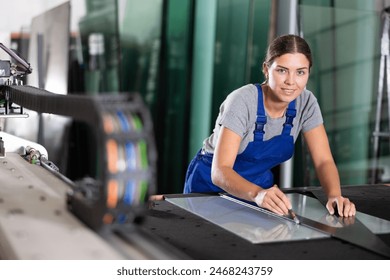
(259, 226)
(311, 208)
(247, 222)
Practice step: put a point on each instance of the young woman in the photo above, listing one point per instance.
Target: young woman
(256, 129)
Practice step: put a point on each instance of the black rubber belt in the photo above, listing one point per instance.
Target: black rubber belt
(79, 107)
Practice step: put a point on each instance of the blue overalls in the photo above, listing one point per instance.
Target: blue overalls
(255, 162)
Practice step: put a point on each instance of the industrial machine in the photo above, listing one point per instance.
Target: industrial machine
(44, 214)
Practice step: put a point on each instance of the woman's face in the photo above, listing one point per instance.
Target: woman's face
(287, 76)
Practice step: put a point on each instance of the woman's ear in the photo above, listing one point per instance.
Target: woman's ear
(265, 71)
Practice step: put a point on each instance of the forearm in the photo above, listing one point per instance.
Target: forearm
(329, 178)
(230, 181)
(272, 198)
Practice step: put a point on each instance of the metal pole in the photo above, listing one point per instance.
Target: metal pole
(287, 23)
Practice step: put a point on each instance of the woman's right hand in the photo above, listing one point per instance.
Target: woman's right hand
(274, 200)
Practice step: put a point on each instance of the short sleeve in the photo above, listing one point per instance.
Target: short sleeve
(234, 114)
(311, 112)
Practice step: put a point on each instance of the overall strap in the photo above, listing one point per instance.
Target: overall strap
(261, 119)
(290, 115)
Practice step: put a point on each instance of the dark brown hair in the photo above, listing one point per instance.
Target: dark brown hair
(287, 44)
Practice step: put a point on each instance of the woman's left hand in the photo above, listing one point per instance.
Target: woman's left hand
(343, 205)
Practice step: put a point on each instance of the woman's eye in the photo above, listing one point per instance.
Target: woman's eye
(301, 72)
(282, 70)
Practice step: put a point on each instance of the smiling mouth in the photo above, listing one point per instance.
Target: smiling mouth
(288, 90)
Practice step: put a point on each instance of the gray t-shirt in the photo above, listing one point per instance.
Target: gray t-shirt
(239, 110)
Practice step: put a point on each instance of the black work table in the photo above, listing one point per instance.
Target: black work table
(199, 239)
